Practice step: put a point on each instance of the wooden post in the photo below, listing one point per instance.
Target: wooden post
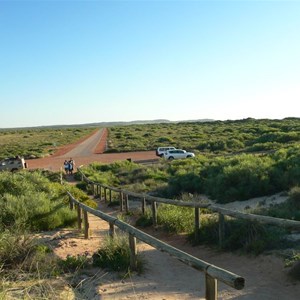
(86, 224)
(133, 252)
(105, 195)
(79, 216)
(121, 201)
(61, 175)
(197, 223)
(154, 213)
(211, 288)
(100, 192)
(111, 230)
(71, 203)
(97, 190)
(221, 229)
(127, 204)
(144, 205)
(109, 195)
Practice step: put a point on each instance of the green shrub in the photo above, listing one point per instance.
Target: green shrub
(15, 247)
(73, 263)
(246, 236)
(31, 201)
(209, 230)
(82, 186)
(115, 255)
(175, 219)
(145, 220)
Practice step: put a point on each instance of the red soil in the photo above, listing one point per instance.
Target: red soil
(55, 161)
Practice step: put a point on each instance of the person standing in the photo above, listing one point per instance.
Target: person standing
(66, 166)
(71, 165)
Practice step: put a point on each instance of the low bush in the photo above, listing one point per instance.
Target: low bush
(145, 220)
(240, 235)
(73, 263)
(175, 219)
(15, 246)
(115, 255)
(82, 186)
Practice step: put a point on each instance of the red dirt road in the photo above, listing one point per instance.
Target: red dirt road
(55, 162)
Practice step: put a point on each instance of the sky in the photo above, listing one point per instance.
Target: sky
(77, 62)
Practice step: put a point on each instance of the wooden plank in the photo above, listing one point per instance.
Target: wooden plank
(258, 218)
(226, 277)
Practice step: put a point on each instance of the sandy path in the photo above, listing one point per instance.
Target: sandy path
(167, 278)
(164, 278)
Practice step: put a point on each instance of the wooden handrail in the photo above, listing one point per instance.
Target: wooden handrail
(292, 224)
(225, 276)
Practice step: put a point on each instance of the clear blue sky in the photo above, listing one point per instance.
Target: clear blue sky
(74, 62)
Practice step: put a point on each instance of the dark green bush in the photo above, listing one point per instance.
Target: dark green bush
(242, 235)
(31, 201)
(145, 220)
(115, 255)
(73, 263)
(175, 219)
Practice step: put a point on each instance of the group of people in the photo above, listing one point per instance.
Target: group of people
(69, 166)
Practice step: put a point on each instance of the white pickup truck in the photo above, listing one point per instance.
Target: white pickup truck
(13, 164)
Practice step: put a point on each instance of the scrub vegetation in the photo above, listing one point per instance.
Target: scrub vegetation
(38, 142)
(223, 178)
(235, 161)
(31, 202)
(247, 135)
